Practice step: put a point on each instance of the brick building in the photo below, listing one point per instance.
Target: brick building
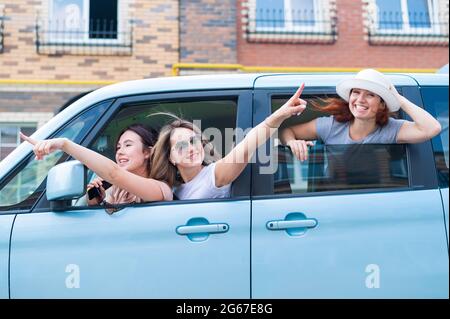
(208, 31)
(343, 33)
(53, 50)
(266, 35)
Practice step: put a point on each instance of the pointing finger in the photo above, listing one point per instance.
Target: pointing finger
(299, 91)
(27, 139)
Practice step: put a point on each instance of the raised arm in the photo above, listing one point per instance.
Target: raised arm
(423, 127)
(146, 188)
(232, 165)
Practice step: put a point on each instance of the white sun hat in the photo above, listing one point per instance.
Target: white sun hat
(373, 81)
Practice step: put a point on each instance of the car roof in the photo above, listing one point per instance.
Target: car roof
(430, 79)
(319, 80)
(236, 81)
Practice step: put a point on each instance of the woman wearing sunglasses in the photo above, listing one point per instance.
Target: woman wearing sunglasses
(186, 160)
(130, 175)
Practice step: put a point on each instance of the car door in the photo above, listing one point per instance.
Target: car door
(6, 222)
(377, 232)
(21, 186)
(179, 249)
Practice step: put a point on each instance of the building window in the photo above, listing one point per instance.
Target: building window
(286, 15)
(408, 22)
(97, 25)
(84, 19)
(9, 136)
(290, 20)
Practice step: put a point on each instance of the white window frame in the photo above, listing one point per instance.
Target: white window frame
(85, 18)
(2, 17)
(319, 15)
(19, 126)
(433, 10)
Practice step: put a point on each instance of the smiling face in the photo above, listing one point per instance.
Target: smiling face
(186, 149)
(364, 104)
(131, 153)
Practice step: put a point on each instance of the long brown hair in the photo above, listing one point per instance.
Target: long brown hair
(162, 168)
(340, 109)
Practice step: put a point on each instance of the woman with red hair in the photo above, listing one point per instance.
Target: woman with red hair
(362, 116)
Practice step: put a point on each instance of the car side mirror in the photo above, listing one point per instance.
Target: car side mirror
(65, 182)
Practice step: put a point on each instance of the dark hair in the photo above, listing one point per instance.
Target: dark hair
(147, 135)
(339, 108)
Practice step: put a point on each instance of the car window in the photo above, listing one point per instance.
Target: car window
(341, 167)
(436, 102)
(22, 189)
(336, 167)
(217, 115)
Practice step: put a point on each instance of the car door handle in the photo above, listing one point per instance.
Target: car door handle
(288, 224)
(210, 228)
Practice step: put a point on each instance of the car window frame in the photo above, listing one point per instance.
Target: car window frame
(241, 187)
(421, 173)
(25, 160)
(432, 111)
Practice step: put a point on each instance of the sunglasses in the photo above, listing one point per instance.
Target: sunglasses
(181, 147)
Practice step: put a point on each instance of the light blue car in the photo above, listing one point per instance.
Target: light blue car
(361, 222)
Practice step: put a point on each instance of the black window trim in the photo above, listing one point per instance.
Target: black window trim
(241, 187)
(419, 156)
(433, 112)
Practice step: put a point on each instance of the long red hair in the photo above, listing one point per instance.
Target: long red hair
(339, 108)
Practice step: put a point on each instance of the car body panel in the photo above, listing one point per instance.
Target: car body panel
(445, 199)
(401, 233)
(6, 223)
(134, 253)
(318, 80)
(425, 79)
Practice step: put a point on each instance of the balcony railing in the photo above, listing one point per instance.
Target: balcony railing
(2, 18)
(291, 26)
(413, 28)
(94, 37)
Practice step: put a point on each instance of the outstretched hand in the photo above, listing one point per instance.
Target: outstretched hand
(44, 147)
(28, 139)
(295, 105)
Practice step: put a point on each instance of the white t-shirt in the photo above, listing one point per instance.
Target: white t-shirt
(203, 186)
